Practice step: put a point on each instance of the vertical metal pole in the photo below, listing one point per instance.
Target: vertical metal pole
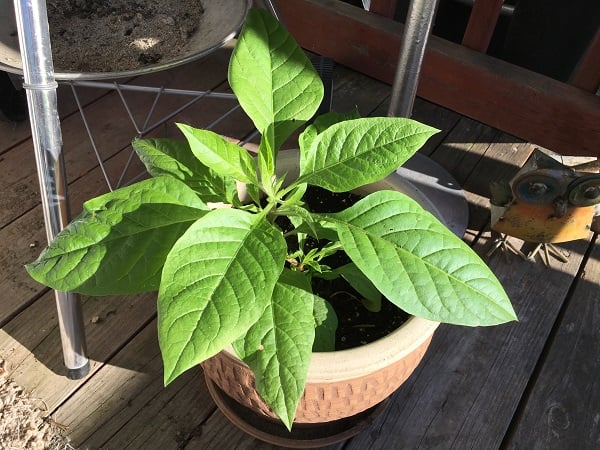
(38, 75)
(420, 169)
(418, 25)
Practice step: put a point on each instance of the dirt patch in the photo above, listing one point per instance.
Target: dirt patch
(23, 424)
(99, 36)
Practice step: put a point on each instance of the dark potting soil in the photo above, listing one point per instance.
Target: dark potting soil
(119, 35)
(356, 324)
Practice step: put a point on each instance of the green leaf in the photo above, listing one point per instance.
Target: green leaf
(296, 195)
(216, 283)
(359, 281)
(323, 122)
(175, 158)
(418, 264)
(326, 323)
(266, 161)
(120, 242)
(301, 218)
(314, 226)
(272, 78)
(278, 347)
(356, 152)
(224, 157)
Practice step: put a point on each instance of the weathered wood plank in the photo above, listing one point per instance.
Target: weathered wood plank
(520, 102)
(126, 404)
(481, 25)
(386, 8)
(25, 237)
(587, 72)
(219, 433)
(169, 419)
(112, 133)
(465, 147)
(500, 161)
(21, 223)
(30, 343)
(475, 155)
(14, 133)
(18, 184)
(353, 90)
(563, 408)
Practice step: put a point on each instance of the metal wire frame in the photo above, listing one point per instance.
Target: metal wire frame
(143, 129)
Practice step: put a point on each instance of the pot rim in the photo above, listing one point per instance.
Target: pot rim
(327, 367)
(338, 365)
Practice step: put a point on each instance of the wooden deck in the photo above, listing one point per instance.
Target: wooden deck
(527, 385)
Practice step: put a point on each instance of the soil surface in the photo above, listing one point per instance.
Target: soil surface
(96, 36)
(356, 324)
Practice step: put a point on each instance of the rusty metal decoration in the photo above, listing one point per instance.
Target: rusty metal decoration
(547, 202)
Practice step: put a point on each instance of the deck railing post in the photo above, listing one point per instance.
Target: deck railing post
(40, 85)
(417, 28)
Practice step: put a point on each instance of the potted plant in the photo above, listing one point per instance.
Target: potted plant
(232, 270)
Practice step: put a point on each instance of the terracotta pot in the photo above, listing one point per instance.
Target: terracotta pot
(343, 383)
(339, 384)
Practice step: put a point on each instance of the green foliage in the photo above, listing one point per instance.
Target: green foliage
(119, 244)
(222, 268)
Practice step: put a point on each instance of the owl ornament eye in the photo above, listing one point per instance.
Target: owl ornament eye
(540, 187)
(585, 191)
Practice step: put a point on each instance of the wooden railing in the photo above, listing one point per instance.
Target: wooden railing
(564, 117)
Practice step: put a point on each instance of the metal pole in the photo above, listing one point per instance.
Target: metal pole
(38, 75)
(418, 25)
(428, 176)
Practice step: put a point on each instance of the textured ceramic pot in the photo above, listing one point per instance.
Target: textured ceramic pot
(343, 383)
(339, 384)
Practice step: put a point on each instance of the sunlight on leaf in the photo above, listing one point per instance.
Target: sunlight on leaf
(418, 264)
(217, 281)
(119, 244)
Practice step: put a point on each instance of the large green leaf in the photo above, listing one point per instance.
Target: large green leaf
(272, 78)
(120, 242)
(278, 347)
(418, 264)
(175, 158)
(356, 152)
(216, 283)
(224, 157)
(321, 123)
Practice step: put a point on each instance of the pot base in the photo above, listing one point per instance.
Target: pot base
(303, 435)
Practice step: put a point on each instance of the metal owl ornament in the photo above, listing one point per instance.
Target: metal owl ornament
(546, 202)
